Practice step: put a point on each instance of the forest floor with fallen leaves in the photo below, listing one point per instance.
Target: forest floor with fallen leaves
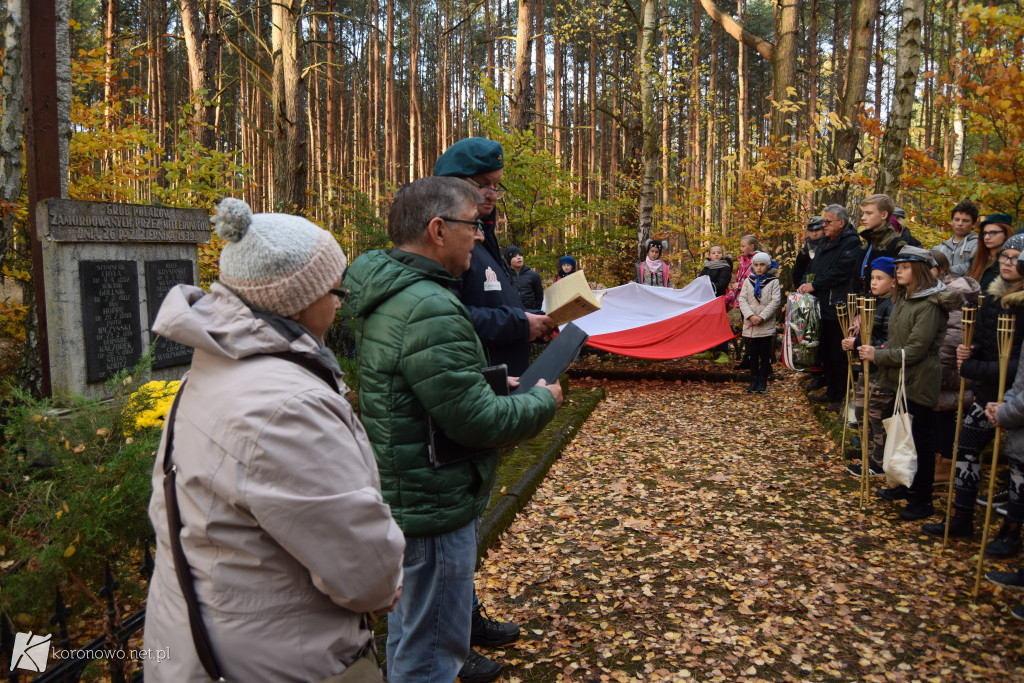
(693, 531)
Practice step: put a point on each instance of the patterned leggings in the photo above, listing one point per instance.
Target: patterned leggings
(880, 407)
(976, 433)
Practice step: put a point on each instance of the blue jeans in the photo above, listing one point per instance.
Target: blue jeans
(428, 633)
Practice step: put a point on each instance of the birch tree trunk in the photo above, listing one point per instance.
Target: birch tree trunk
(12, 125)
(908, 64)
(289, 100)
(649, 126)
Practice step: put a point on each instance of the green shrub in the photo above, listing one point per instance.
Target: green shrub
(74, 490)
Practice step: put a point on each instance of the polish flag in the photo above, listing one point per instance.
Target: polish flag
(658, 323)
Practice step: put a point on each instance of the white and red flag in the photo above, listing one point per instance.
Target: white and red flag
(658, 323)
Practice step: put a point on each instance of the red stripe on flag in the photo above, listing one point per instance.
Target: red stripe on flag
(699, 329)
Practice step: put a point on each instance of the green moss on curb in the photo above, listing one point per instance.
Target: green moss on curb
(523, 467)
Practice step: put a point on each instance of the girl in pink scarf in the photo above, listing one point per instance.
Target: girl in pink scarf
(748, 247)
(653, 271)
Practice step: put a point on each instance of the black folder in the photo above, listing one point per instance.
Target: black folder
(554, 360)
(440, 448)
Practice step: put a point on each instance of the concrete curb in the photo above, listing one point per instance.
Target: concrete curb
(504, 511)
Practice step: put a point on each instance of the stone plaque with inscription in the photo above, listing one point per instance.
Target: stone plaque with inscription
(107, 268)
(72, 220)
(161, 276)
(110, 317)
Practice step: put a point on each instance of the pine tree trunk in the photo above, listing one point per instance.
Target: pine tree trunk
(858, 63)
(415, 159)
(784, 67)
(289, 99)
(709, 170)
(540, 73)
(202, 42)
(742, 108)
(521, 75)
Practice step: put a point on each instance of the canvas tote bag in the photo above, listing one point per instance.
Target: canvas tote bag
(900, 456)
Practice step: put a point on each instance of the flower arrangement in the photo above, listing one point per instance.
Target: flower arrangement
(148, 406)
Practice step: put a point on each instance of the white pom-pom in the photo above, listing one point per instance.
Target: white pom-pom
(232, 219)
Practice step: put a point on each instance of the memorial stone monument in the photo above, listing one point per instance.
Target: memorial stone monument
(107, 268)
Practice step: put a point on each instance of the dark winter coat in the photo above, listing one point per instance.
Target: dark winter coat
(720, 273)
(917, 326)
(419, 355)
(831, 270)
(804, 258)
(882, 241)
(531, 291)
(492, 299)
(950, 392)
(880, 328)
(983, 365)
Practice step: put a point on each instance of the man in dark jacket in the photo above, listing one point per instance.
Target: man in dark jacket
(815, 235)
(420, 357)
(531, 291)
(505, 329)
(828, 278)
(487, 288)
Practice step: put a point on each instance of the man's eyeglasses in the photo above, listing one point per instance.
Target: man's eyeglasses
(342, 294)
(993, 233)
(478, 225)
(498, 191)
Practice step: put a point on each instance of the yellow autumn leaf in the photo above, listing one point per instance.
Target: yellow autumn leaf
(70, 551)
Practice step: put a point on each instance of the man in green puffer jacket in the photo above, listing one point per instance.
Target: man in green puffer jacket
(419, 356)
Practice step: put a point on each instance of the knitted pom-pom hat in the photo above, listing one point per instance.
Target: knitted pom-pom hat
(274, 261)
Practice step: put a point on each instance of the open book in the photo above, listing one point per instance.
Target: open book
(570, 298)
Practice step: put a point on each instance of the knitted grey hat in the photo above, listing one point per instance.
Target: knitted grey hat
(1015, 242)
(762, 257)
(274, 261)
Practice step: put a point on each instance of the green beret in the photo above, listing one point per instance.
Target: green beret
(1002, 218)
(469, 157)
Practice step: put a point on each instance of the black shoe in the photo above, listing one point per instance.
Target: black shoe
(762, 386)
(490, 633)
(479, 669)
(1018, 613)
(1011, 580)
(875, 469)
(818, 398)
(1007, 543)
(916, 511)
(854, 469)
(834, 407)
(960, 526)
(900, 492)
(816, 383)
(752, 387)
(998, 498)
